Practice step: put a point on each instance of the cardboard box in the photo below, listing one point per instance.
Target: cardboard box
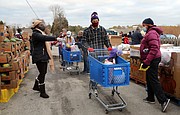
(27, 44)
(115, 40)
(176, 77)
(1, 32)
(176, 58)
(14, 83)
(169, 76)
(7, 47)
(1, 37)
(18, 45)
(0, 86)
(136, 74)
(25, 36)
(1, 27)
(9, 84)
(12, 75)
(126, 56)
(15, 65)
(135, 50)
(5, 57)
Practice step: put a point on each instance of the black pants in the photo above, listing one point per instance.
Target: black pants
(153, 84)
(42, 68)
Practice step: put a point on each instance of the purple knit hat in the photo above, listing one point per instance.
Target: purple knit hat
(94, 15)
(112, 54)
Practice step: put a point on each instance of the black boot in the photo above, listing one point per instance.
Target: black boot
(36, 86)
(42, 91)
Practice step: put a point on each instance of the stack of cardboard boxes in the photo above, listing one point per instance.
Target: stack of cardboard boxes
(14, 62)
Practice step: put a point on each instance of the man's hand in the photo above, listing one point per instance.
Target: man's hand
(109, 48)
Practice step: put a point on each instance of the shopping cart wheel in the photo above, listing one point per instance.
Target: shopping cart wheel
(63, 69)
(89, 95)
(77, 67)
(120, 110)
(107, 111)
(113, 91)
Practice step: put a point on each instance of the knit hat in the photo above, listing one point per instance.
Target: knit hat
(148, 21)
(35, 23)
(112, 54)
(94, 15)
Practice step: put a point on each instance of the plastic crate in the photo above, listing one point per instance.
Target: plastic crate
(109, 75)
(69, 56)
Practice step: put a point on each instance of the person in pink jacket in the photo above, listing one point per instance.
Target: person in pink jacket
(151, 56)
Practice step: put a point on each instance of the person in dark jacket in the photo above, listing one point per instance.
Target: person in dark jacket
(151, 56)
(19, 33)
(40, 55)
(136, 37)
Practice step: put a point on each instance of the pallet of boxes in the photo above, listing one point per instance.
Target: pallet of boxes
(135, 74)
(14, 62)
(169, 71)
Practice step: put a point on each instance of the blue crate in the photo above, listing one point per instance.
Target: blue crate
(109, 75)
(69, 56)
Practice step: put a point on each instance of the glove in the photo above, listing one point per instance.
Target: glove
(109, 48)
(90, 49)
(144, 67)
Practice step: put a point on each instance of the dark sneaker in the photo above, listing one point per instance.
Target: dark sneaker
(148, 101)
(165, 105)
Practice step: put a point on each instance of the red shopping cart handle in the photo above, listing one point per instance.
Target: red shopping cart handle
(90, 49)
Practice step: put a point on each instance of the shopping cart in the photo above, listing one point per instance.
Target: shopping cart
(71, 60)
(107, 76)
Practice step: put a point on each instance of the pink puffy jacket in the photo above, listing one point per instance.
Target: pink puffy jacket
(150, 45)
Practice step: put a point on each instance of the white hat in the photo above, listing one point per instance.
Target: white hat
(68, 33)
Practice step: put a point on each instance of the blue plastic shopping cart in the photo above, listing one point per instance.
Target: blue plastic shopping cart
(107, 76)
(69, 59)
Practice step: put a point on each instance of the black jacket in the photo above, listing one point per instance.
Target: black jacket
(136, 38)
(39, 52)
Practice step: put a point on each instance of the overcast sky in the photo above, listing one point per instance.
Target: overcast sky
(111, 12)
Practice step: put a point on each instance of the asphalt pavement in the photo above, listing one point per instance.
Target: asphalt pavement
(69, 96)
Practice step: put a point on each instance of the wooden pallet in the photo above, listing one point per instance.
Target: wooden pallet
(137, 81)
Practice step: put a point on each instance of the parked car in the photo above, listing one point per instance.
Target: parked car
(168, 36)
(112, 32)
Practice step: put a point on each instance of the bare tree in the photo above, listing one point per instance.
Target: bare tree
(60, 20)
(57, 11)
